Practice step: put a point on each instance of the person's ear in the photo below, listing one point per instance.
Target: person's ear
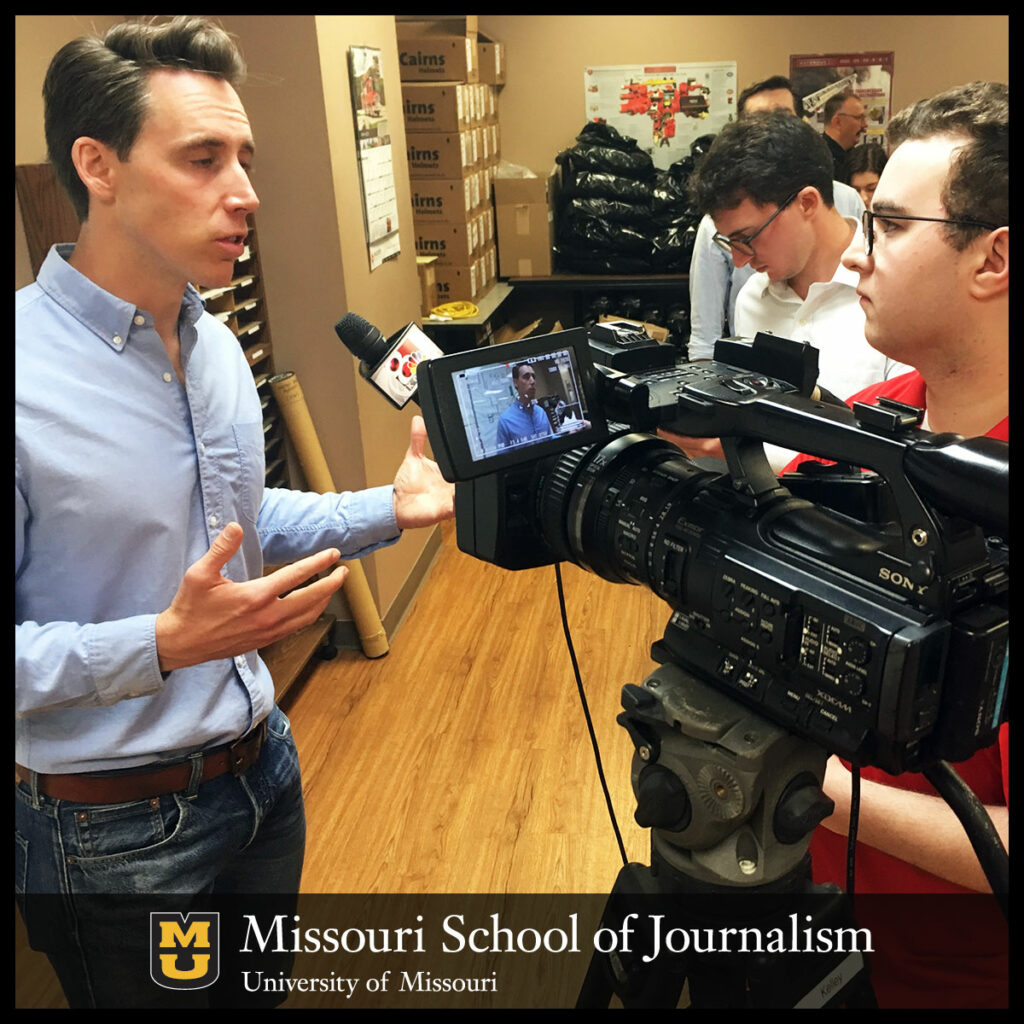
(808, 200)
(990, 271)
(96, 164)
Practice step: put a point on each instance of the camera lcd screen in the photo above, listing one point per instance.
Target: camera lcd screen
(509, 404)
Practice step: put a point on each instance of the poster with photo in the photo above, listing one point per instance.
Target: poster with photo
(816, 77)
(373, 139)
(663, 106)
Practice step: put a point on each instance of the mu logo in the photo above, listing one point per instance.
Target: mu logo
(184, 952)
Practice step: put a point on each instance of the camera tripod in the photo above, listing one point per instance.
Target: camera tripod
(727, 905)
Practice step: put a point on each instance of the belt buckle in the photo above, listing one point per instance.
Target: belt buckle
(244, 751)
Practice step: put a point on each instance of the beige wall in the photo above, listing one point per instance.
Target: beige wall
(541, 105)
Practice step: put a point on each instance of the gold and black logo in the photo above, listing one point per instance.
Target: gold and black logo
(184, 951)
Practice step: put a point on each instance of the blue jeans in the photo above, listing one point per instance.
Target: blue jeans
(88, 876)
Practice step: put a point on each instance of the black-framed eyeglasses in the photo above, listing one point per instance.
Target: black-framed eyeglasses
(742, 245)
(868, 218)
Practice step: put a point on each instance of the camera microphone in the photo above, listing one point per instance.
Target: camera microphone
(389, 364)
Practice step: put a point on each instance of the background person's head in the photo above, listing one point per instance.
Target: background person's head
(845, 118)
(765, 159)
(765, 183)
(775, 93)
(864, 167)
(98, 88)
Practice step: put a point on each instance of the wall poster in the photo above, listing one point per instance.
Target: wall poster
(816, 77)
(663, 106)
(373, 140)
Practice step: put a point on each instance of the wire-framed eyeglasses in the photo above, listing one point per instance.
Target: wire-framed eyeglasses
(868, 218)
(742, 245)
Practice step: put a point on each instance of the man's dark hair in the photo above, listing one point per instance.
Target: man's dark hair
(766, 159)
(98, 87)
(517, 368)
(769, 85)
(834, 103)
(978, 184)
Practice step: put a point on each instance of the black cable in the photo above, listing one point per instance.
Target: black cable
(984, 838)
(851, 835)
(586, 714)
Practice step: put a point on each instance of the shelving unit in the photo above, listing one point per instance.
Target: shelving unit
(242, 306)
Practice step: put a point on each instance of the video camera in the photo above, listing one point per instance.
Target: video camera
(866, 612)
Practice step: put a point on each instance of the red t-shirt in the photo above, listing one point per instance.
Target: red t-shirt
(922, 963)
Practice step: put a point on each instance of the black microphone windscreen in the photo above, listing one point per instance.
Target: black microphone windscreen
(361, 338)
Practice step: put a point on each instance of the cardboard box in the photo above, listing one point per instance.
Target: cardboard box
(437, 108)
(438, 199)
(524, 225)
(457, 284)
(491, 59)
(431, 58)
(455, 244)
(490, 261)
(438, 25)
(439, 154)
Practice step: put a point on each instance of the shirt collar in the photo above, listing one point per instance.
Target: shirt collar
(111, 319)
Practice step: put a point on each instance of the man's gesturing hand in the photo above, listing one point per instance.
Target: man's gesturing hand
(212, 617)
(422, 496)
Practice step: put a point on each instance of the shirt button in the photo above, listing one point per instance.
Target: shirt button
(139, 321)
(116, 339)
(212, 520)
(168, 377)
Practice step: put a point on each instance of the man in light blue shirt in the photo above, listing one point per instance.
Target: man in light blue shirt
(150, 755)
(524, 420)
(715, 280)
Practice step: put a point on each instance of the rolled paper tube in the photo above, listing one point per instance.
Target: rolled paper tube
(292, 403)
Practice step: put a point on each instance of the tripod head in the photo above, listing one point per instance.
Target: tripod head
(731, 799)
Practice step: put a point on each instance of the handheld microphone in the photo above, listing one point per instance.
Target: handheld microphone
(389, 364)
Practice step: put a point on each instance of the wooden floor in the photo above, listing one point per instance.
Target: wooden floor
(460, 762)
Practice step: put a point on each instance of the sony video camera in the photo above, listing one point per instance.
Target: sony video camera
(864, 611)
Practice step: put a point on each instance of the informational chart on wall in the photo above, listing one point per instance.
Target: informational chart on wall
(376, 170)
(663, 106)
(816, 77)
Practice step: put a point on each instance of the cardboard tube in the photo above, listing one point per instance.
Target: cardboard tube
(292, 403)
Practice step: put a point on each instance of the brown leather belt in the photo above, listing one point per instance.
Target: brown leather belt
(146, 783)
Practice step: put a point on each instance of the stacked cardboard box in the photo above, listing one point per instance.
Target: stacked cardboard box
(452, 144)
(524, 224)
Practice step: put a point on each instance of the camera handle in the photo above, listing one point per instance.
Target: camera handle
(731, 800)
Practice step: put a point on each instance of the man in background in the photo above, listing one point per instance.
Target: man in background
(846, 120)
(150, 754)
(715, 280)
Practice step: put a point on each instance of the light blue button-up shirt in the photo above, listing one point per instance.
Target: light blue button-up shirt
(123, 477)
(517, 425)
